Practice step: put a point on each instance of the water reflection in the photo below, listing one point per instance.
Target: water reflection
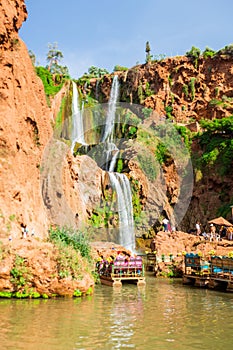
(163, 315)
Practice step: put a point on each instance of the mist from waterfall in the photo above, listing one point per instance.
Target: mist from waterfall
(77, 119)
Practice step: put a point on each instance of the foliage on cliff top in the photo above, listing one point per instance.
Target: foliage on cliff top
(52, 84)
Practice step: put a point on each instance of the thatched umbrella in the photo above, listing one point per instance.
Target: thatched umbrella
(220, 221)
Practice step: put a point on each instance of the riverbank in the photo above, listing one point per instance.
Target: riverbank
(33, 268)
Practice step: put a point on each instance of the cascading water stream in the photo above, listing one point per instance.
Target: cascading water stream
(120, 182)
(111, 115)
(121, 185)
(77, 120)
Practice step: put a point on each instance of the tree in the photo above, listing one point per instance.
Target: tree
(148, 55)
(54, 56)
(97, 72)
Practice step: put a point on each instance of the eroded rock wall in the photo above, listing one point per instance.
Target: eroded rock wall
(25, 128)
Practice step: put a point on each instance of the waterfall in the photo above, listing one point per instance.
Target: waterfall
(121, 185)
(119, 182)
(111, 115)
(77, 119)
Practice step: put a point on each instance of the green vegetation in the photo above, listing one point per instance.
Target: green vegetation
(185, 90)
(148, 91)
(147, 112)
(208, 52)
(148, 55)
(53, 75)
(20, 274)
(194, 54)
(71, 238)
(186, 135)
(217, 144)
(192, 88)
(96, 72)
(54, 56)
(226, 51)
(148, 164)
(162, 153)
(118, 68)
(225, 102)
(168, 110)
(51, 84)
(102, 215)
(140, 94)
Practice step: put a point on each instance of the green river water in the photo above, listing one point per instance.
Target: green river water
(163, 315)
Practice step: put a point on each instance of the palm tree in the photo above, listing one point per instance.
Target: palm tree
(53, 56)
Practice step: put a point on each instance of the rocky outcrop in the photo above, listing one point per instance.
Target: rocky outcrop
(34, 268)
(25, 128)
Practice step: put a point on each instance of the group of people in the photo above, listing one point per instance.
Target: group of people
(25, 231)
(224, 232)
(167, 226)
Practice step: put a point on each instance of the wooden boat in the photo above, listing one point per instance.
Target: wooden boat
(122, 270)
(216, 274)
(221, 276)
(197, 271)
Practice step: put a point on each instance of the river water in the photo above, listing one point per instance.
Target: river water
(163, 315)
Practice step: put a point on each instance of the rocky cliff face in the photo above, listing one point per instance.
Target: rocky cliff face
(188, 89)
(183, 92)
(25, 128)
(176, 87)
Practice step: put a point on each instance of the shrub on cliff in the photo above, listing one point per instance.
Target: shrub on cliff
(217, 144)
(194, 54)
(208, 52)
(49, 81)
(69, 237)
(118, 68)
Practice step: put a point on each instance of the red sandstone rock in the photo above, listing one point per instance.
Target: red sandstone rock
(25, 128)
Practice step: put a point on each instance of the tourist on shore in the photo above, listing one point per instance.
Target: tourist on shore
(212, 232)
(223, 231)
(229, 233)
(198, 228)
(153, 245)
(165, 224)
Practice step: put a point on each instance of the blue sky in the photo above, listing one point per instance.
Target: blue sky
(105, 33)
